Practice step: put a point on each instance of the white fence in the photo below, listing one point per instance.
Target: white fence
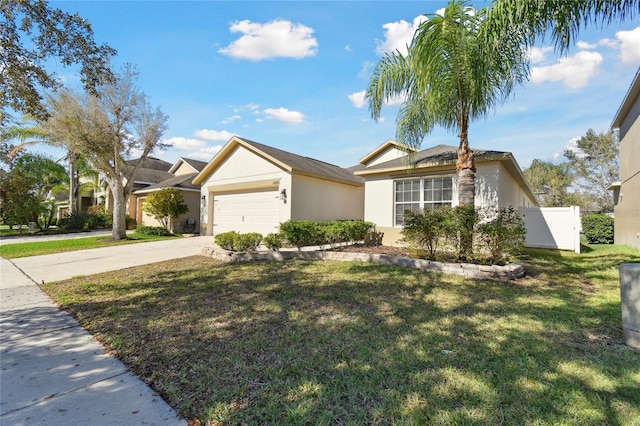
(553, 227)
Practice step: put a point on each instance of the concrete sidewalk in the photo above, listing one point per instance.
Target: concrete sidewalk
(53, 371)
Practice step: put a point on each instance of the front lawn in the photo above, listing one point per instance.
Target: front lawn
(350, 343)
(37, 248)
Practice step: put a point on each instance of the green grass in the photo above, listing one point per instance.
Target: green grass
(351, 343)
(36, 248)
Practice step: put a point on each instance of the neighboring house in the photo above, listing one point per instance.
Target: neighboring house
(627, 191)
(396, 182)
(155, 174)
(250, 187)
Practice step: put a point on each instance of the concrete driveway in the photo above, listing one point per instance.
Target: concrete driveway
(53, 372)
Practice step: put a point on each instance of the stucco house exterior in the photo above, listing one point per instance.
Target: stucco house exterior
(627, 191)
(156, 174)
(395, 182)
(251, 187)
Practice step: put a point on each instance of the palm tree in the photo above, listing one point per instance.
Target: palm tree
(449, 77)
(31, 135)
(529, 19)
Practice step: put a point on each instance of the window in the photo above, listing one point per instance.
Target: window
(417, 194)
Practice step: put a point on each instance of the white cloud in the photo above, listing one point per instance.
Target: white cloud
(440, 11)
(231, 119)
(348, 48)
(180, 142)
(398, 35)
(284, 115)
(538, 54)
(608, 43)
(214, 135)
(629, 46)
(572, 145)
(396, 100)
(205, 153)
(357, 99)
(275, 39)
(365, 71)
(584, 45)
(574, 71)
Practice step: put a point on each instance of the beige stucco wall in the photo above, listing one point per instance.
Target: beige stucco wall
(183, 169)
(243, 170)
(191, 199)
(319, 199)
(627, 211)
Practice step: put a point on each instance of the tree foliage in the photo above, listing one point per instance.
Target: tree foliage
(449, 77)
(525, 21)
(550, 182)
(32, 32)
(107, 130)
(596, 165)
(19, 200)
(165, 205)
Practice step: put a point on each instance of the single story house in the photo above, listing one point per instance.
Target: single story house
(396, 181)
(156, 174)
(250, 187)
(627, 192)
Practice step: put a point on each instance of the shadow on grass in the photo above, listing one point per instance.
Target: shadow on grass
(334, 343)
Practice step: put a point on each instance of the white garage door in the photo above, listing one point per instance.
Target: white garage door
(246, 212)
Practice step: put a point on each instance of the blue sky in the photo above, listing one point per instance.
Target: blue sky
(292, 74)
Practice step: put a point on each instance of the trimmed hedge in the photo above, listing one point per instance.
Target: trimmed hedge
(152, 230)
(234, 241)
(301, 233)
(598, 228)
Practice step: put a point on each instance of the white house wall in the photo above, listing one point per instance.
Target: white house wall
(390, 154)
(243, 170)
(319, 199)
(495, 187)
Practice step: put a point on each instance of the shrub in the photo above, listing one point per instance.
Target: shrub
(423, 230)
(300, 233)
(598, 228)
(152, 230)
(458, 226)
(74, 222)
(226, 240)
(247, 242)
(274, 241)
(501, 232)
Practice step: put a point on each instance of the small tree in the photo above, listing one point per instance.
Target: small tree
(165, 206)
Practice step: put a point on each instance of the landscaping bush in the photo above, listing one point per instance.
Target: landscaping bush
(274, 241)
(226, 240)
(598, 228)
(502, 233)
(152, 230)
(458, 228)
(423, 230)
(74, 222)
(300, 233)
(309, 233)
(247, 242)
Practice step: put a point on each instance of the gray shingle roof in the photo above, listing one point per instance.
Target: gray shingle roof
(151, 163)
(180, 181)
(196, 164)
(306, 164)
(436, 154)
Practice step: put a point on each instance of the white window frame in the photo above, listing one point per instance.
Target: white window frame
(420, 203)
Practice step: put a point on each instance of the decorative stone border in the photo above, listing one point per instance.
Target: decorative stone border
(509, 272)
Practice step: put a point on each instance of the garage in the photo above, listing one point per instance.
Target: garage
(255, 211)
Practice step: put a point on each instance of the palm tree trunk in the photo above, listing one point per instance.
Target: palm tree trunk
(466, 171)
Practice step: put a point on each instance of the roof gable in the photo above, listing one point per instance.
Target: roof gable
(178, 182)
(388, 145)
(632, 94)
(292, 163)
(195, 165)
